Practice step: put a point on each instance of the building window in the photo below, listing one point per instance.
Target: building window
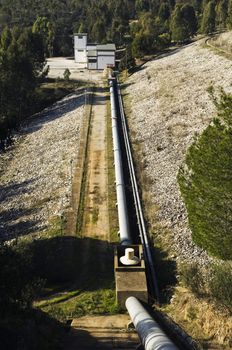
(92, 60)
(80, 36)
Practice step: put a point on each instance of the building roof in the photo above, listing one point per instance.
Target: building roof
(80, 34)
(106, 47)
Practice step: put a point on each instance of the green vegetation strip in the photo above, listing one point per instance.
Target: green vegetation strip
(205, 183)
(84, 156)
(58, 299)
(97, 302)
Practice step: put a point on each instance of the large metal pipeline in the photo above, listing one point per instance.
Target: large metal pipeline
(151, 335)
(124, 230)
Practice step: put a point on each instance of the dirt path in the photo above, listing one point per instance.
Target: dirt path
(98, 332)
(96, 219)
(105, 331)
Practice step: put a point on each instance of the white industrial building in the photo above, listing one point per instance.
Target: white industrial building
(93, 56)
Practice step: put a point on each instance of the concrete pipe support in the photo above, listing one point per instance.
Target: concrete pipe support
(151, 335)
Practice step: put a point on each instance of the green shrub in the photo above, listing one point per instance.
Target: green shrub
(18, 285)
(67, 74)
(206, 186)
(193, 278)
(220, 285)
(215, 282)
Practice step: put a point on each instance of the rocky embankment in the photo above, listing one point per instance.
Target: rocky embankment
(223, 41)
(170, 104)
(35, 174)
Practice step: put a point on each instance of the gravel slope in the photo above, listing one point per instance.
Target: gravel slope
(36, 172)
(223, 41)
(169, 105)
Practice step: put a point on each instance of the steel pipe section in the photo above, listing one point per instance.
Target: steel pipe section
(151, 335)
(124, 230)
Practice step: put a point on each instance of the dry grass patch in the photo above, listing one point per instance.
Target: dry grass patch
(200, 319)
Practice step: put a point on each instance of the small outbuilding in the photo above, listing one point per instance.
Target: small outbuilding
(93, 56)
(105, 56)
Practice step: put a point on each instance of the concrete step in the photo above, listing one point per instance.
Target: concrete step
(102, 332)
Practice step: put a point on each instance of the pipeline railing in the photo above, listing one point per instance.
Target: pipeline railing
(124, 229)
(139, 212)
(151, 335)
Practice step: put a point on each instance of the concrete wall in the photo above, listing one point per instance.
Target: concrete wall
(80, 56)
(91, 47)
(103, 61)
(92, 65)
(80, 48)
(80, 41)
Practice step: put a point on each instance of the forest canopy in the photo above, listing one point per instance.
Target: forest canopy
(39, 29)
(144, 24)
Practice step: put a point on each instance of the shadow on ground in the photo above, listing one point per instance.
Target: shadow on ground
(12, 226)
(31, 330)
(56, 111)
(69, 263)
(165, 273)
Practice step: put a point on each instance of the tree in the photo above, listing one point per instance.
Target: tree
(138, 48)
(98, 32)
(142, 5)
(184, 22)
(164, 12)
(208, 19)
(206, 184)
(163, 18)
(18, 284)
(189, 18)
(145, 36)
(5, 38)
(177, 29)
(21, 62)
(45, 28)
(229, 19)
(222, 14)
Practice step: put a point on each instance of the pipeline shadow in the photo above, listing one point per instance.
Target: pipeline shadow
(166, 269)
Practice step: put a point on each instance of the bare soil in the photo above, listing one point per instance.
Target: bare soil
(96, 218)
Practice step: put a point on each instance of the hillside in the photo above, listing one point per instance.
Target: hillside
(223, 41)
(36, 173)
(169, 104)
